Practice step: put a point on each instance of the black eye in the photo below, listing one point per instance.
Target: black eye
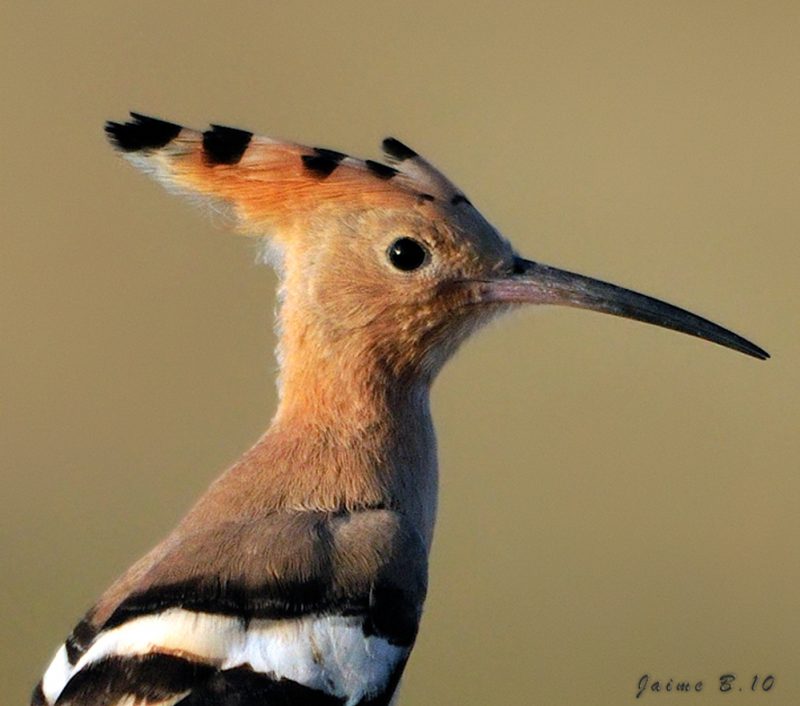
(407, 254)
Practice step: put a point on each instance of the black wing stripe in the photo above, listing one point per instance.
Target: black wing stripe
(388, 611)
(153, 677)
(156, 677)
(273, 601)
(244, 687)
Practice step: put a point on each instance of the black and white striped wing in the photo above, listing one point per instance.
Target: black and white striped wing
(188, 658)
(211, 621)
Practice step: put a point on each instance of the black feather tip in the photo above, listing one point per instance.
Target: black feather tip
(141, 133)
(394, 148)
(380, 170)
(225, 145)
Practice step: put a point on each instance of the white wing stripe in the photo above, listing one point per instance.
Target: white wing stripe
(57, 675)
(328, 653)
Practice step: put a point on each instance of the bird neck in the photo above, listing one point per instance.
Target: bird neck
(358, 434)
(348, 434)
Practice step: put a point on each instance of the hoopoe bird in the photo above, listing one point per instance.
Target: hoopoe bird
(299, 577)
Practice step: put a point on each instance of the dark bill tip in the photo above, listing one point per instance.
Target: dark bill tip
(532, 282)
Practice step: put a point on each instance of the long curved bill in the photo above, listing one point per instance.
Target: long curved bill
(535, 283)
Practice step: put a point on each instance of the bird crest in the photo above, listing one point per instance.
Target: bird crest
(269, 186)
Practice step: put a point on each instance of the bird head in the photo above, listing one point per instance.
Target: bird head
(387, 263)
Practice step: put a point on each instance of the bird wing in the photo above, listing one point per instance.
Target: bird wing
(291, 608)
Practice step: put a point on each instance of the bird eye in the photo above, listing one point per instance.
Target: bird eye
(407, 254)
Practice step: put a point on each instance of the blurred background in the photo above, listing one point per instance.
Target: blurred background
(616, 499)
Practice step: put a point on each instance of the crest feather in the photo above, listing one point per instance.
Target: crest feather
(271, 185)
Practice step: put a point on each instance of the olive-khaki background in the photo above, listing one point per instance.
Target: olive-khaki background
(616, 499)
